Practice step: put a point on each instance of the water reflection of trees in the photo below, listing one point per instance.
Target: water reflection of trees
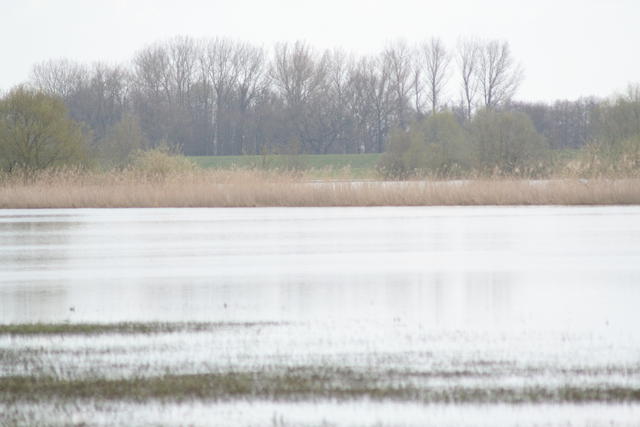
(442, 298)
(30, 246)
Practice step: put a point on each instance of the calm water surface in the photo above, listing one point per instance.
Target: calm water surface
(444, 267)
(550, 293)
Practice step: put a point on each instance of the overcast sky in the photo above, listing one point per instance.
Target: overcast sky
(568, 48)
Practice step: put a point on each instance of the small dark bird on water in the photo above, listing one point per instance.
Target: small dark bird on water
(72, 309)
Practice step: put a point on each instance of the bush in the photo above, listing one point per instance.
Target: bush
(394, 162)
(616, 147)
(507, 143)
(121, 141)
(160, 162)
(436, 146)
(599, 159)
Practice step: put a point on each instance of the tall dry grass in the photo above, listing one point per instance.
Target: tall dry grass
(247, 188)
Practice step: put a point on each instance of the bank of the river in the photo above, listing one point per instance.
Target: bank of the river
(268, 189)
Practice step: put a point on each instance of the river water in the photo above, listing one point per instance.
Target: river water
(551, 293)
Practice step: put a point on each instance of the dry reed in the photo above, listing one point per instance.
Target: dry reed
(249, 188)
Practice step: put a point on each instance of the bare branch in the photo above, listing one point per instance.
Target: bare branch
(498, 74)
(436, 61)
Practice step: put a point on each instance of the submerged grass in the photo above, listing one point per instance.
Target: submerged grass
(309, 383)
(116, 328)
(44, 376)
(261, 188)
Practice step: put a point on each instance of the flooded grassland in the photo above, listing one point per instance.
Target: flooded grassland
(321, 316)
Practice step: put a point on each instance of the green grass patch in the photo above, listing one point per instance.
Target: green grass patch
(561, 157)
(357, 165)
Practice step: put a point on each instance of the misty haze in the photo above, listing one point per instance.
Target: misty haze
(310, 214)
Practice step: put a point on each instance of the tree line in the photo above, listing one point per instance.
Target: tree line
(431, 108)
(221, 97)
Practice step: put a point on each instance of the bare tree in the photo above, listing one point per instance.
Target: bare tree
(498, 74)
(183, 56)
(296, 72)
(151, 70)
(361, 104)
(299, 76)
(165, 75)
(59, 77)
(377, 104)
(339, 123)
(251, 82)
(221, 64)
(104, 99)
(252, 77)
(468, 52)
(417, 82)
(398, 61)
(152, 94)
(436, 61)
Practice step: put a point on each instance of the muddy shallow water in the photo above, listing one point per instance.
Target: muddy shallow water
(439, 299)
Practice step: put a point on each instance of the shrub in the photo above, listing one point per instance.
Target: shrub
(507, 143)
(394, 162)
(121, 141)
(436, 146)
(160, 162)
(615, 147)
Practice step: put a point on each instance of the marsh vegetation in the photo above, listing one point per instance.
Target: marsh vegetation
(181, 368)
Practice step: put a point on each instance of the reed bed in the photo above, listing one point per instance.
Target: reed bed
(258, 188)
